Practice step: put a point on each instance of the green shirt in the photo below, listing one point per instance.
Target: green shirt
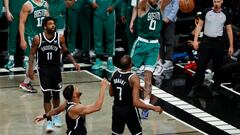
(150, 24)
(33, 24)
(56, 8)
(15, 6)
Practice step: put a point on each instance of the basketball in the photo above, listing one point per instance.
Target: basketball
(186, 6)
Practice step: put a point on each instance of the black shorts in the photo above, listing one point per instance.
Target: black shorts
(50, 79)
(129, 115)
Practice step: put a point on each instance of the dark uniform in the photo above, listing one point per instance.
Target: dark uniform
(123, 111)
(75, 126)
(49, 61)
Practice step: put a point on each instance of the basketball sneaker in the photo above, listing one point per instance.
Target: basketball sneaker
(159, 69)
(49, 127)
(10, 64)
(191, 65)
(168, 65)
(57, 120)
(145, 113)
(110, 65)
(97, 65)
(27, 87)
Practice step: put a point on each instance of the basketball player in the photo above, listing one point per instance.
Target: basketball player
(125, 87)
(30, 24)
(146, 47)
(48, 47)
(75, 111)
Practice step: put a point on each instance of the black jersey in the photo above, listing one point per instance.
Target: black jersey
(49, 51)
(75, 126)
(122, 90)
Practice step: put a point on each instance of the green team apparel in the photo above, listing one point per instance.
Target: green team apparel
(33, 24)
(146, 47)
(13, 27)
(104, 22)
(79, 17)
(57, 11)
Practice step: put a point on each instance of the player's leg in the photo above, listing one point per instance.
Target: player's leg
(133, 121)
(118, 123)
(109, 27)
(56, 82)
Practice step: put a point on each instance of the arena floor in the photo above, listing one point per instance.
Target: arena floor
(19, 108)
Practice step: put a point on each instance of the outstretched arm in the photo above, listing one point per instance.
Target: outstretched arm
(135, 82)
(87, 109)
(53, 112)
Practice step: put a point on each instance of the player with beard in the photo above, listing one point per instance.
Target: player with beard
(49, 47)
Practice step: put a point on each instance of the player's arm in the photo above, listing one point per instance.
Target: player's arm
(47, 12)
(111, 90)
(197, 29)
(33, 51)
(8, 13)
(135, 82)
(230, 39)
(87, 109)
(53, 112)
(26, 9)
(67, 54)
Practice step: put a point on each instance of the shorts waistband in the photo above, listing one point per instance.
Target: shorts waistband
(147, 41)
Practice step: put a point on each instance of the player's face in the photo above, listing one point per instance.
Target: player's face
(217, 4)
(50, 27)
(77, 92)
(69, 3)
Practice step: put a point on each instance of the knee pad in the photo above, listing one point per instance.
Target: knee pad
(56, 95)
(47, 96)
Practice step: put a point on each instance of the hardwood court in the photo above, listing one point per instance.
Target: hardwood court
(18, 109)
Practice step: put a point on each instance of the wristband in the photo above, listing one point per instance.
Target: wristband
(44, 116)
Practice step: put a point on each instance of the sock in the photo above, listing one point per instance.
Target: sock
(146, 101)
(27, 80)
(11, 57)
(25, 58)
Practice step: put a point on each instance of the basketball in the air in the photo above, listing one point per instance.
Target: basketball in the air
(186, 6)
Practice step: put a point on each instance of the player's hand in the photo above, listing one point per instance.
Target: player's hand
(23, 44)
(230, 51)
(195, 45)
(9, 16)
(158, 109)
(77, 66)
(38, 118)
(31, 74)
(109, 9)
(104, 84)
(131, 27)
(94, 5)
(123, 19)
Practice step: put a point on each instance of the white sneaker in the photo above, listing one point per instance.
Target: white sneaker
(49, 127)
(57, 120)
(168, 65)
(159, 69)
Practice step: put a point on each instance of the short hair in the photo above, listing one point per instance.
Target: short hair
(46, 19)
(125, 62)
(68, 92)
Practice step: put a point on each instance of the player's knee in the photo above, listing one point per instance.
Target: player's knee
(47, 96)
(56, 95)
